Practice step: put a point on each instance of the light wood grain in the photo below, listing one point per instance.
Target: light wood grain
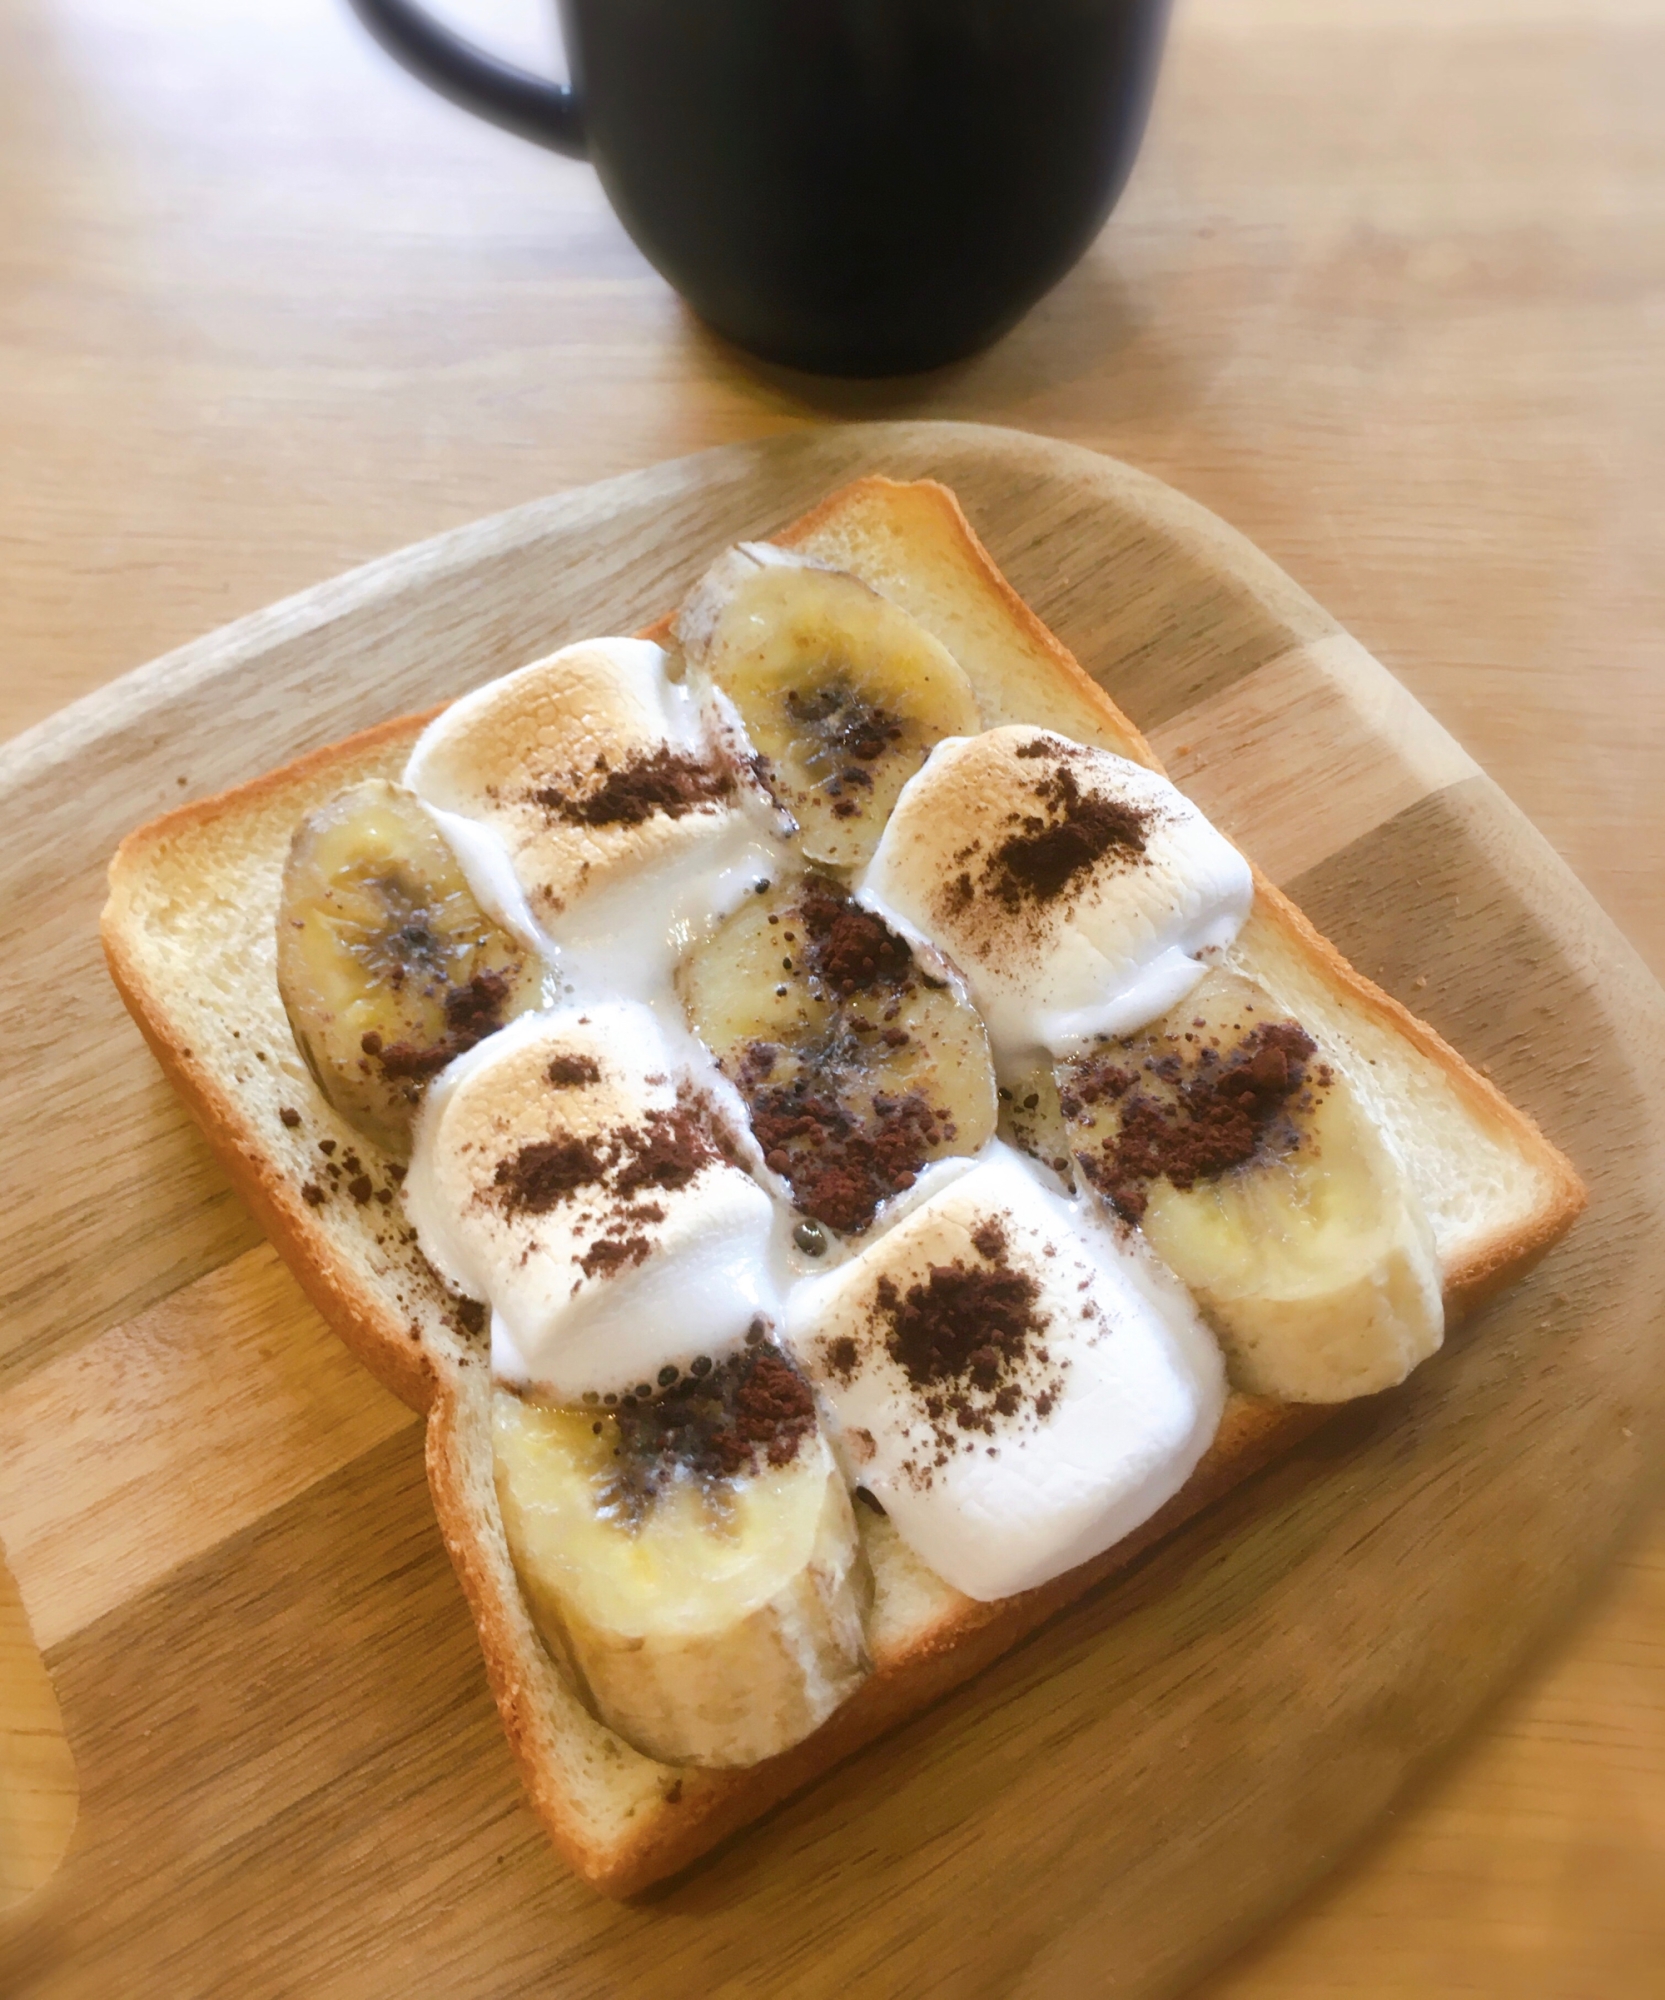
(1314, 749)
(1379, 294)
(183, 1426)
(38, 1790)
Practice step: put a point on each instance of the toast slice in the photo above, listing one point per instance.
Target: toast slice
(189, 934)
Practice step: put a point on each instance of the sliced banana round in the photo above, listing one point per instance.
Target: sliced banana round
(710, 1616)
(1260, 1180)
(856, 1069)
(387, 965)
(1032, 1120)
(833, 694)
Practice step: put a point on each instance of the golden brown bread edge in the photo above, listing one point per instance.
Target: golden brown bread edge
(453, 1390)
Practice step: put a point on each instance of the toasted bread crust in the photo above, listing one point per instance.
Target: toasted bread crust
(377, 1337)
(1023, 620)
(669, 1818)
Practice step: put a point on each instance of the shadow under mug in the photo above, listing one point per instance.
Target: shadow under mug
(854, 187)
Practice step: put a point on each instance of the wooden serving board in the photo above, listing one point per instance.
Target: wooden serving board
(292, 1779)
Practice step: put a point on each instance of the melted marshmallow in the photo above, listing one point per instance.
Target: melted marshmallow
(563, 1172)
(615, 904)
(1036, 1454)
(976, 860)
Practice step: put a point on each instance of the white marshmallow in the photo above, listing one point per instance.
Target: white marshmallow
(681, 1270)
(1121, 939)
(1116, 1394)
(621, 900)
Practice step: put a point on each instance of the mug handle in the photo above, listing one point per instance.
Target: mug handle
(530, 106)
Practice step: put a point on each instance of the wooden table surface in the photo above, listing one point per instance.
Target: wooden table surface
(1387, 292)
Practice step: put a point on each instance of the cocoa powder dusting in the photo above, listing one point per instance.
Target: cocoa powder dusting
(842, 1162)
(609, 1254)
(625, 1166)
(969, 1337)
(665, 1152)
(1037, 856)
(842, 1147)
(545, 1172)
(964, 1324)
(1190, 1127)
(1045, 852)
(751, 1410)
(471, 1013)
(663, 780)
(847, 946)
(567, 1072)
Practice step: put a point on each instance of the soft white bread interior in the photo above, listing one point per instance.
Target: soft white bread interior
(189, 932)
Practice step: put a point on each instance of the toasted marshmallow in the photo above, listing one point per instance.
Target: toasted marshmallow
(587, 806)
(1018, 1387)
(1075, 891)
(569, 1171)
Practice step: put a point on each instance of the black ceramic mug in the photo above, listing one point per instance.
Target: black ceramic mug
(859, 187)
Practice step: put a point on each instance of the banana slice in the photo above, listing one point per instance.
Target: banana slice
(1032, 1120)
(856, 1069)
(387, 966)
(833, 694)
(1257, 1176)
(693, 1559)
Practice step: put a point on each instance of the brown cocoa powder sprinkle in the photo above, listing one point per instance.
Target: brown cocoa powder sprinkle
(841, 1162)
(842, 1357)
(968, 1337)
(1045, 852)
(847, 946)
(661, 780)
(988, 1239)
(842, 1147)
(567, 1072)
(626, 1245)
(963, 1324)
(751, 1410)
(667, 1151)
(669, 1147)
(546, 1172)
(1199, 1126)
(471, 1013)
(610, 1254)
(623, 1166)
